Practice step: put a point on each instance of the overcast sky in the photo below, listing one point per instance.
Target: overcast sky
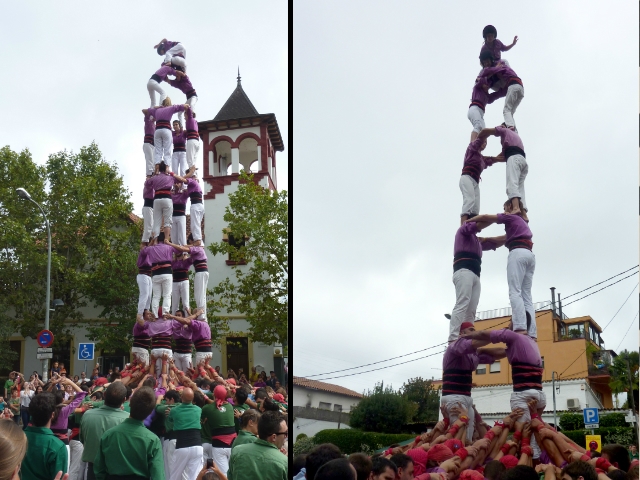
(380, 101)
(77, 71)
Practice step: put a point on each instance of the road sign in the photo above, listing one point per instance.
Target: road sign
(630, 418)
(591, 418)
(45, 350)
(86, 351)
(45, 338)
(42, 356)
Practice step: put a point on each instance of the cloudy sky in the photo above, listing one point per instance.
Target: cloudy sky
(77, 71)
(380, 101)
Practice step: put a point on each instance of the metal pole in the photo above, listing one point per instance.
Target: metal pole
(560, 308)
(553, 384)
(45, 362)
(553, 299)
(630, 397)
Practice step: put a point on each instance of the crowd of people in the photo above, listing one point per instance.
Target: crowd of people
(168, 414)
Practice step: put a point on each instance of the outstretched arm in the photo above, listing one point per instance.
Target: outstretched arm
(179, 248)
(488, 219)
(496, 352)
(485, 132)
(509, 47)
(159, 43)
(482, 335)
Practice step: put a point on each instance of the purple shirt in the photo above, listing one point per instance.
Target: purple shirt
(160, 253)
(500, 69)
(200, 330)
(190, 122)
(184, 84)
(163, 72)
(478, 93)
(474, 161)
(141, 330)
(149, 124)
(193, 185)
(160, 327)
(180, 198)
(143, 260)
(179, 137)
(466, 240)
(63, 417)
(495, 48)
(515, 227)
(184, 264)
(197, 254)
(509, 138)
(168, 45)
(181, 331)
(520, 348)
(162, 181)
(148, 190)
(461, 355)
(165, 113)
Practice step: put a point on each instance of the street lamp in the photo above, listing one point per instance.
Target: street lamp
(22, 193)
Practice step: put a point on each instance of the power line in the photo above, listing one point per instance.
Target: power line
(600, 289)
(634, 318)
(589, 288)
(634, 289)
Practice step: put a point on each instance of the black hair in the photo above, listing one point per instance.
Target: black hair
(250, 415)
(521, 472)
(114, 376)
(211, 476)
(172, 395)
(161, 50)
(198, 398)
(338, 469)
(269, 424)
(617, 475)
(363, 465)
(41, 408)
(380, 465)
(580, 468)
(190, 237)
(617, 454)
(261, 393)
(162, 167)
(142, 403)
(181, 311)
(270, 406)
(318, 456)
(495, 470)
(98, 395)
(114, 395)
(129, 392)
(161, 237)
(177, 67)
(401, 460)
(489, 29)
(298, 463)
(241, 396)
(484, 55)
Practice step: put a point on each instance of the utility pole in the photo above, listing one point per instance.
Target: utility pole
(553, 385)
(630, 396)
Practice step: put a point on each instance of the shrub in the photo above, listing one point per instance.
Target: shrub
(621, 435)
(352, 441)
(301, 436)
(575, 421)
(303, 444)
(382, 410)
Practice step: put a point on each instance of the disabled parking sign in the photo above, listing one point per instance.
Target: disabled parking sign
(85, 351)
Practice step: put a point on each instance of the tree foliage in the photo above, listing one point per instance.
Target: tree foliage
(422, 393)
(622, 376)
(382, 410)
(259, 290)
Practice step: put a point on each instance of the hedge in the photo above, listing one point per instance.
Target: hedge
(575, 421)
(351, 440)
(622, 435)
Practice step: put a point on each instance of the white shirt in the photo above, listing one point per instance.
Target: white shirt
(25, 398)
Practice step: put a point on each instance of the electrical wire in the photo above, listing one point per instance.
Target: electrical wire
(634, 289)
(599, 290)
(599, 283)
(625, 335)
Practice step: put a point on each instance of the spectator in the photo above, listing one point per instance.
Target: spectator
(14, 404)
(76, 379)
(617, 455)
(46, 454)
(383, 469)
(404, 463)
(338, 469)
(129, 449)
(633, 453)
(253, 376)
(63, 371)
(8, 384)
(239, 405)
(262, 460)
(13, 445)
(271, 382)
(97, 421)
(249, 428)
(25, 399)
(54, 369)
(633, 472)
(495, 470)
(298, 466)
(318, 456)
(83, 379)
(363, 465)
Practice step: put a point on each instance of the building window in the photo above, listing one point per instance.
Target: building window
(235, 242)
(481, 370)
(337, 408)
(542, 359)
(495, 367)
(324, 406)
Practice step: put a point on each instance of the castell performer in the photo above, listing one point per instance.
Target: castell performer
(495, 46)
(473, 166)
(193, 139)
(174, 53)
(160, 255)
(145, 284)
(183, 343)
(512, 90)
(201, 338)
(180, 290)
(179, 157)
(162, 138)
(478, 103)
(526, 367)
(153, 85)
(183, 83)
(148, 194)
(160, 331)
(147, 146)
(459, 362)
(162, 202)
(197, 207)
(467, 258)
(141, 338)
(201, 278)
(516, 167)
(521, 265)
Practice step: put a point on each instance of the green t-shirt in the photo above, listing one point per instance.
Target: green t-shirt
(78, 416)
(185, 416)
(242, 408)
(46, 454)
(213, 418)
(243, 438)
(161, 424)
(7, 386)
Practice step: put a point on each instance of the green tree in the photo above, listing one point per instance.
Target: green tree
(259, 290)
(422, 393)
(620, 374)
(382, 410)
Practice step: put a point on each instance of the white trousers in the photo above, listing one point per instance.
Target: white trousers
(192, 103)
(197, 212)
(153, 86)
(179, 230)
(182, 361)
(75, 460)
(193, 147)
(517, 170)
(163, 142)
(179, 290)
(203, 357)
(161, 288)
(200, 282)
(207, 452)
(147, 220)
(158, 352)
(476, 117)
(519, 400)
(515, 94)
(470, 196)
(450, 401)
(179, 163)
(148, 149)
(221, 456)
(141, 354)
(186, 461)
(168, 448)
(467, 286)
(176, 50)
(145, 285)
(521, 264)
(162, 214)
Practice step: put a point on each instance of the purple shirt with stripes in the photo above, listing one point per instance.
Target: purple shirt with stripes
(200, 330)
(139, 330)
(160, 327)
(148, 190)
(168, 45)
(197, 253)
(165, 113)
(478, 93)
(190, 122)
(514, 227)
(162, 72)
(183, 264)
(143, 259)
(181, 331)
(473, 155)
(162, 181)
(160, 253)
(193, 185)
(179, 137)
(520, 348)
(467, 241)
(149, 124)
(180, 198)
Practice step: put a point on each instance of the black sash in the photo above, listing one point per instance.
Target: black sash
(468, 260)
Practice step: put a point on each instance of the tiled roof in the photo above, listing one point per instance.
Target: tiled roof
(238, 105)
(325, 387)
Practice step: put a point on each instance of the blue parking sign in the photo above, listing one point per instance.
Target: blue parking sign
(591, 417)
(85, 351)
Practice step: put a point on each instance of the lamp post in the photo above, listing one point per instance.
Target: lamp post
(24, 194)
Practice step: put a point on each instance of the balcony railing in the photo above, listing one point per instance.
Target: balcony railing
(594, 370)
